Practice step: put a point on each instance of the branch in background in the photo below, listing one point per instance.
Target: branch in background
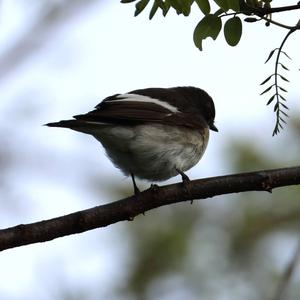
(287, 275)
(51, 18)
(128, 208)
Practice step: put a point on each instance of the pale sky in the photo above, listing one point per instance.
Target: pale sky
(101, 51)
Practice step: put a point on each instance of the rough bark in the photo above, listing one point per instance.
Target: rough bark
(128, 208)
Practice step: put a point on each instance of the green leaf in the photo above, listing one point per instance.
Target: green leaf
(139, 7)
(177, 5)
(222, 4)
(266, 90)
(271, 54)
(271, 99)
(233, 31)
(286, 54)
(267, 79)
(282, 120)
(234, 4)
(209, 26)
(186, 7)
(127, 1)
(283, 78)
(284, 105)
(165, 6)
(251, 20)
(153, 9)
(284, 99)
(204, 6)
(283, 66)
(284, 90)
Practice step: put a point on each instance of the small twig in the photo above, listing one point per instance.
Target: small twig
(270, 10)
(262, 17)
(277, 95)
(277, 23)
(287, 275)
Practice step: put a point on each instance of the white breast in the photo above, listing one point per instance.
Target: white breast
(153, 152)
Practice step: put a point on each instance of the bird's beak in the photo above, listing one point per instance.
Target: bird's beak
(213, 127)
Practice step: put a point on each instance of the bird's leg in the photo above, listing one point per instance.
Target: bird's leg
(184, 177)
(154, 188)
(186, 182)
(136, 189)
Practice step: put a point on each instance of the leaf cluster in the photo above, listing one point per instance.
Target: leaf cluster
(280, 106)
(210, 25)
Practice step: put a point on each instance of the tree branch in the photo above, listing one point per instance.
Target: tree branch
(128, 208)
(279, 24)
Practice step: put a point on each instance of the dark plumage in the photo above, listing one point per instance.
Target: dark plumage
(152, 133)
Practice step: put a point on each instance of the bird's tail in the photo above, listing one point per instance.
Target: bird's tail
(78, 125)
(72, 124)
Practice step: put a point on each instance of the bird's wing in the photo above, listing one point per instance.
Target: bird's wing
(133, 109)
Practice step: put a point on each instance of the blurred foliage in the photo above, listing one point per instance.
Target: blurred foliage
(160, 246)
(204, 249)
(198, 251)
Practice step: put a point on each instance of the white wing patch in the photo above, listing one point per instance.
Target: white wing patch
(98, 123)
(141, 98)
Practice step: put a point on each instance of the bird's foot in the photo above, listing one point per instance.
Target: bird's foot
(137, 192)
(154, 188)
(135, 188)
(187, 187)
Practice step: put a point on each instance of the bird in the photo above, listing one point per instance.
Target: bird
(152, 133)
